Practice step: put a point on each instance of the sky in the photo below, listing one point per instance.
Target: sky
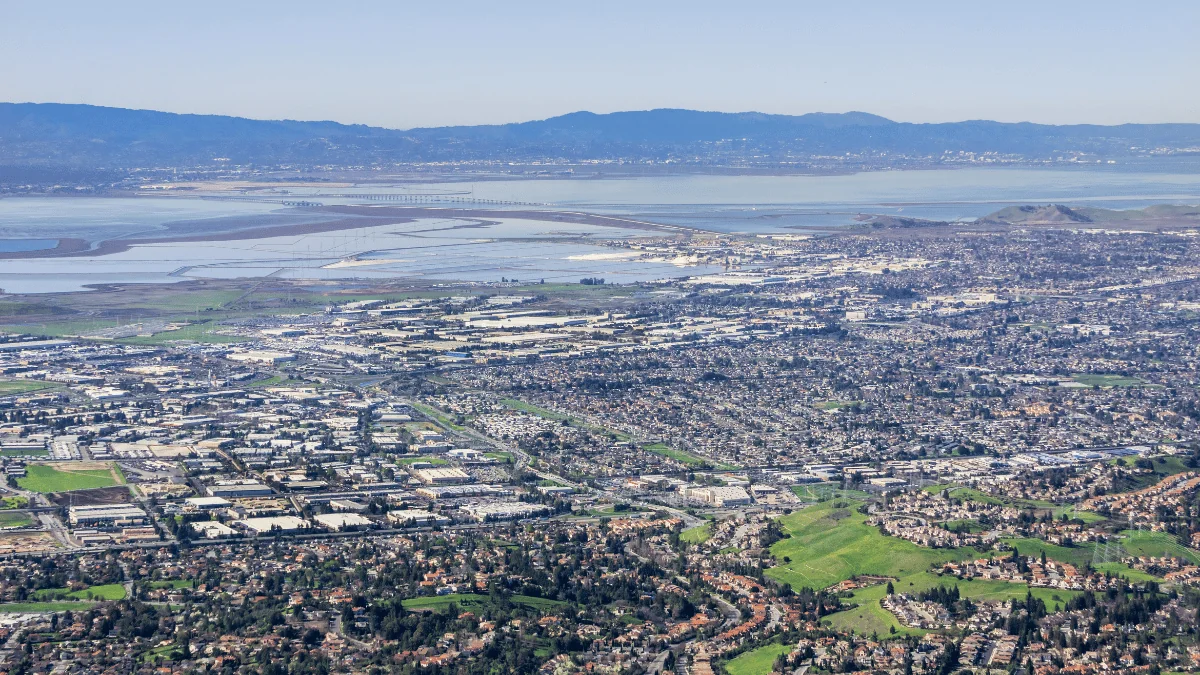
(407, 64)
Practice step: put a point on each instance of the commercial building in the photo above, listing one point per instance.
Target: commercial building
(207, 503)
(106, 515)
(211, 529)
(272, 524)
(262, 356)
(720, 495)
(342, 521)
(459, 491)
(443, 476)
(505, 510)
(415, 518)
(231, 489)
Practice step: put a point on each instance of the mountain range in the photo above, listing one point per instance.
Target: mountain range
(91, 137)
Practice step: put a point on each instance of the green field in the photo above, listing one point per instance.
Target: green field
(758, 661)
(47, 478)
(1086, 516)
(14, 502)
(32, 607)
(830, 544)
(1080, 555)
(514, 404)
(677, 455)
(172, 583)
(1157, 544)
(9, 387)
(835, 405)
(978, 496)
(464, 599)
(820, 492)
(1106, 380)
(869, 617)
(24, 453)
(105, 592)
(1122, 570)
(15, 519)
(964, 493)
(199, 333)
(434, 413)
(436, 461)
(502, 457)
(696, 535)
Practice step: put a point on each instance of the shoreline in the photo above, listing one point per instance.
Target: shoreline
(353, 217)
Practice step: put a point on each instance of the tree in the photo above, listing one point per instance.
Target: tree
(891, 590)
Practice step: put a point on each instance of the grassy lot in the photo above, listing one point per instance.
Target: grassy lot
(1078, 555)
(756, 661)
(436, 461)
(10, 387)
(58, 328)
(15, 519)
(677, 455)
(1086, 516)
(1158, 544)
(1122, 570)
(973, 495)
(105, 592)
(464, 599)
(434, 413)
(835, 405)
(273, 381)
(503, 457)
(47, 478)
(25, 453)
(514, 404)
(820, 492)
(1106, 380)
(830, 543)
(172, 583)
(14, 502)
(1161, 467)
(869, 617)
(200, 333)
(696, 535)
(608, 511)
(964, 493)
(32, 607)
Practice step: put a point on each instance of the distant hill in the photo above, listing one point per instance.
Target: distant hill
(1057, 214)
(1026, 214)
(95, 137)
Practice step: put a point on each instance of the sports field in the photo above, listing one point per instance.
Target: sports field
(67, 476)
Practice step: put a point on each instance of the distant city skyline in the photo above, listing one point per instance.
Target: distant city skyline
(474, 63)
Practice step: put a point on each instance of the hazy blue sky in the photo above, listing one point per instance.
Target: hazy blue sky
(434, 63)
